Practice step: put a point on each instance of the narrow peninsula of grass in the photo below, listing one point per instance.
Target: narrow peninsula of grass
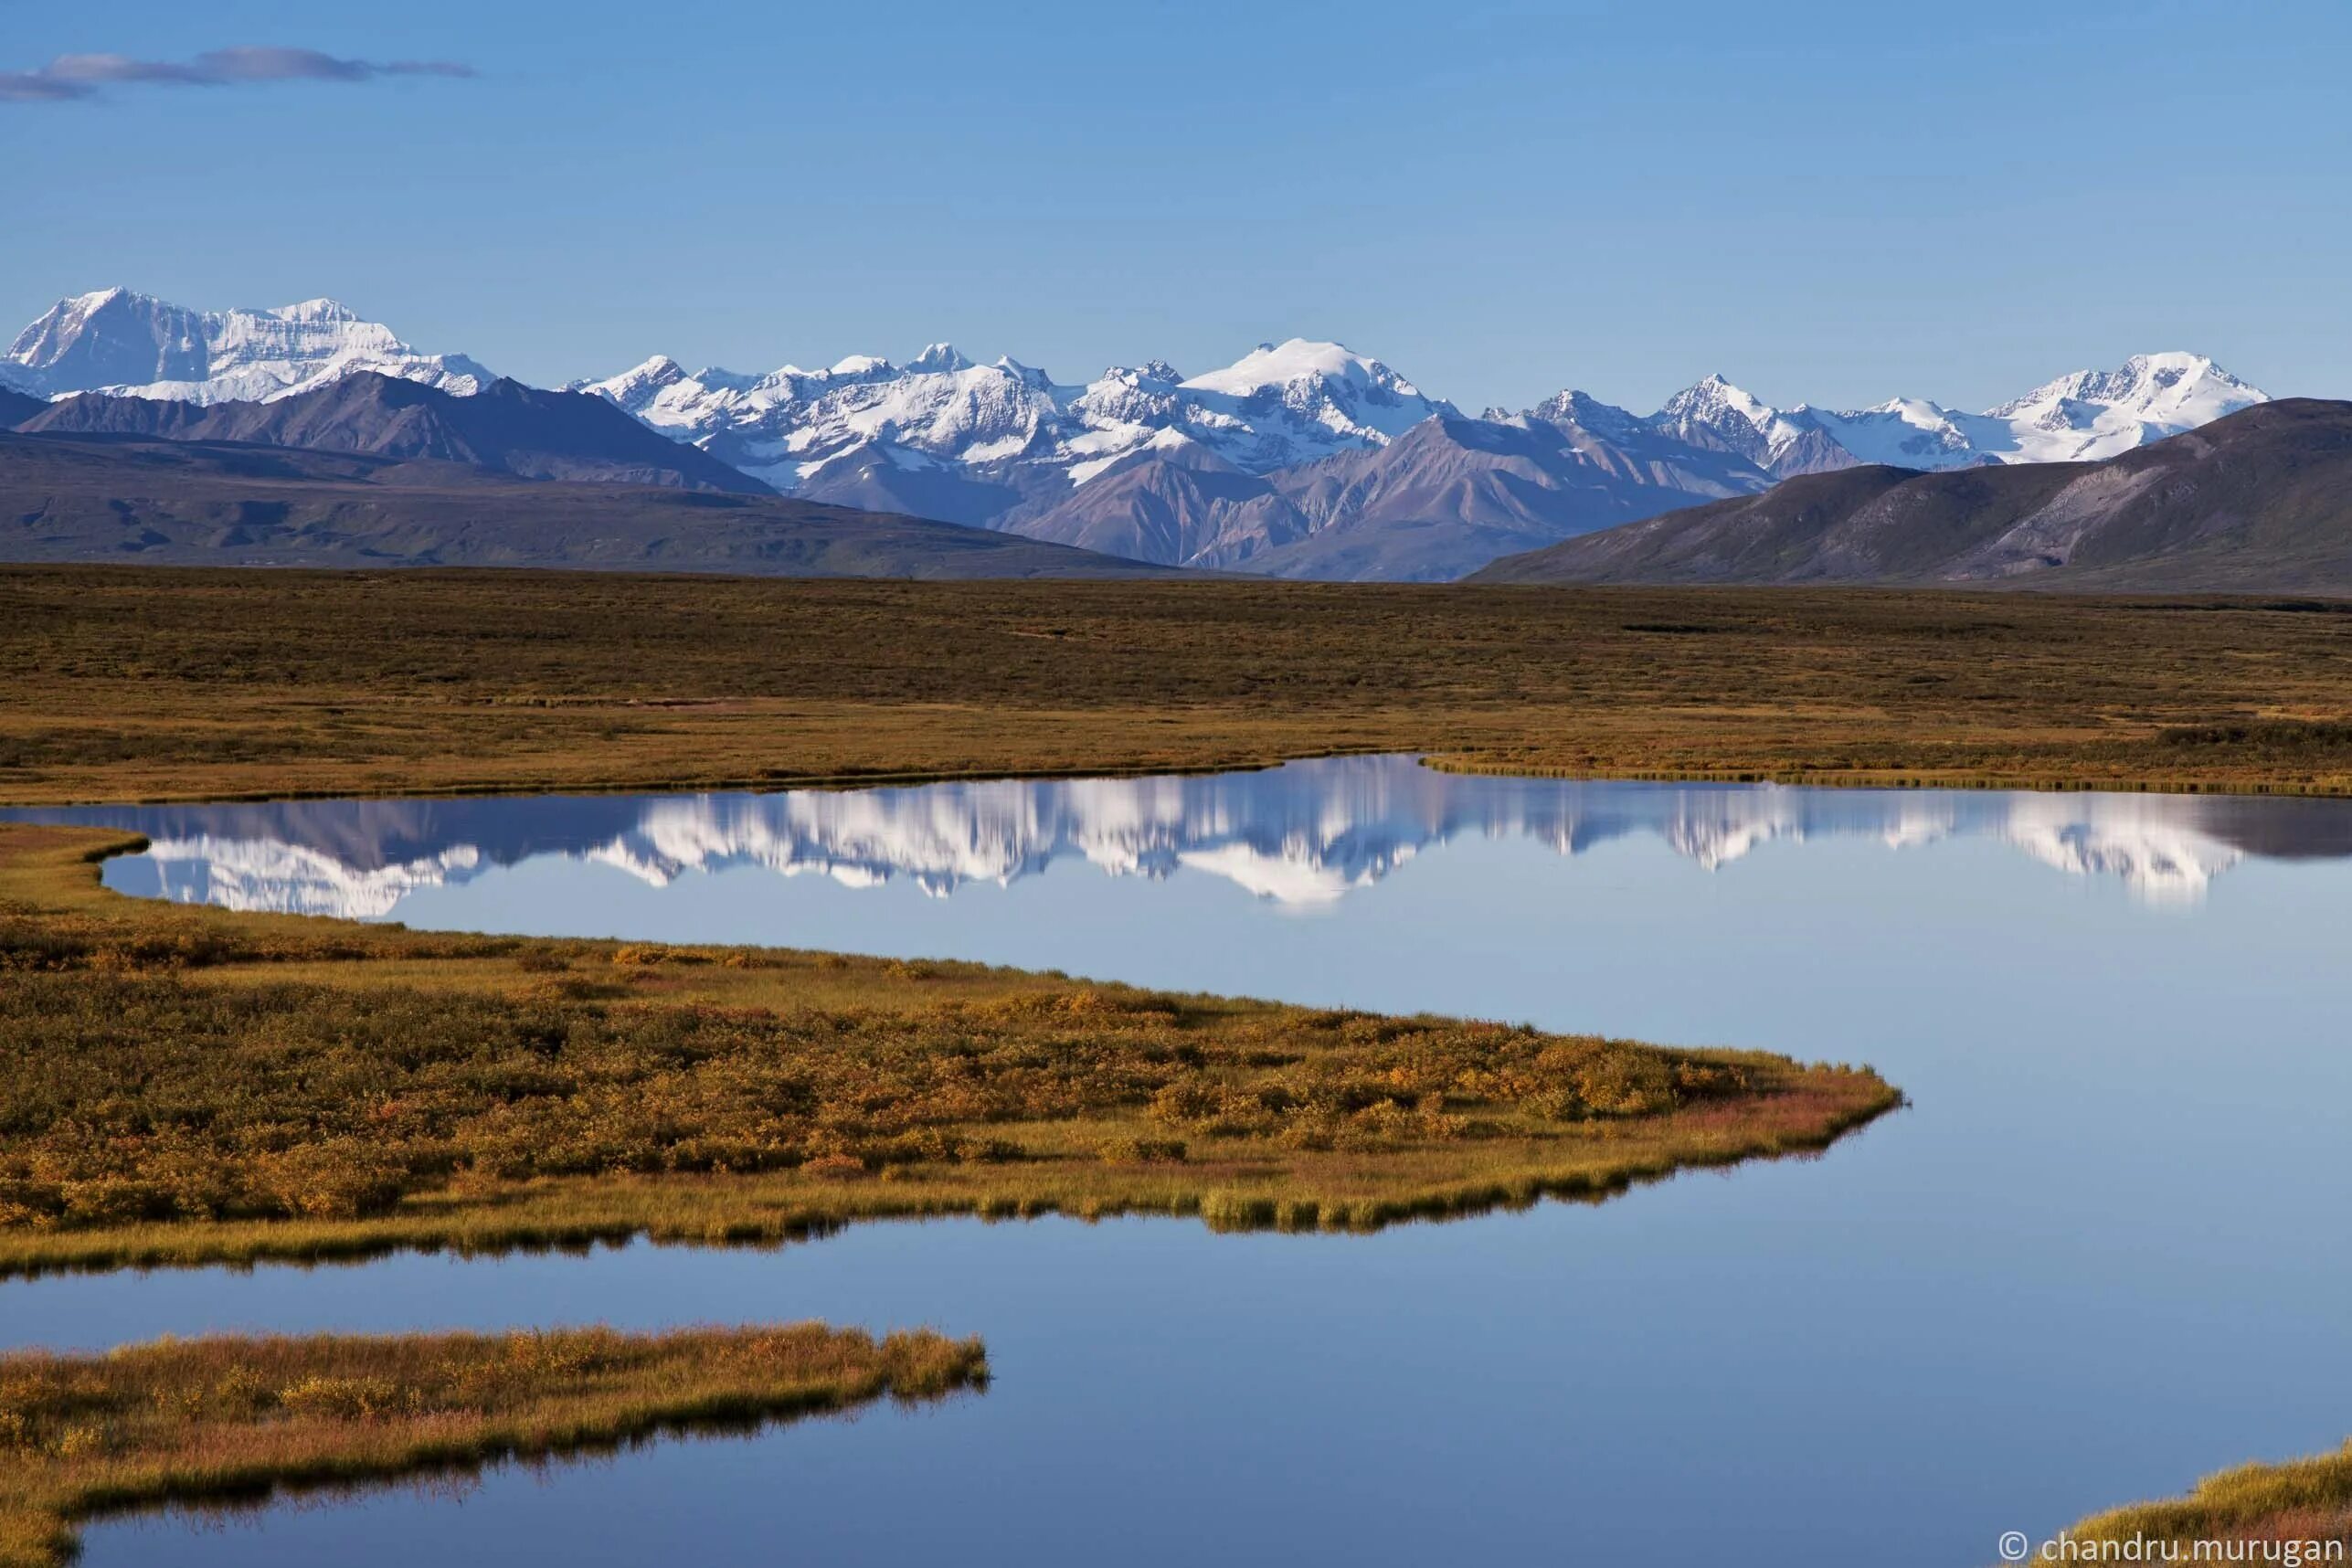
(181, 1084)
(234, 1419)
(2292, 1513)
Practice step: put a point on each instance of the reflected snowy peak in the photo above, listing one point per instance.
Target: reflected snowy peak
(1303, 836)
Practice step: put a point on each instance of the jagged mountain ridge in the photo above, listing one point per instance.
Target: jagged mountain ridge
(1279, 406)
(2258, 501)
(133, 344)
(1307, 459)
(1293, 460)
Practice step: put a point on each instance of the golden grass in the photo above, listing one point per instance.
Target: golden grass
(235, 1419)
(134, 682)
(2295, 1512)
(181, 1084)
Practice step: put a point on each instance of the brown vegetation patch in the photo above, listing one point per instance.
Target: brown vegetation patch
(123, 683)
(180, 1083)
(234, 1419)
(2295, 1512)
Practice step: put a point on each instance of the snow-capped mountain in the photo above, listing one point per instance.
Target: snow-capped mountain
(132, 345)
(2081, 416)
(813, 432)
(1292, 460)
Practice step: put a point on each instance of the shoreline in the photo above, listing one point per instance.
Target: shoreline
(341, 1088)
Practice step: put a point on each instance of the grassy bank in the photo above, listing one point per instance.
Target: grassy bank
(233, 1420)
(127, 682)
(2285, 1513)
(181, 1084)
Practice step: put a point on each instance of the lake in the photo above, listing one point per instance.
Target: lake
(2105, 1251)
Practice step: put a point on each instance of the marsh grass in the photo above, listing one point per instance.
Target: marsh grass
(180, 1085)
(2263, 1505)
(232, 1419)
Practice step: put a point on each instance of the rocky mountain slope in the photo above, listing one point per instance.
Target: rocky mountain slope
(1444, 497)
(2258, 501)
(507, 426)
(125, 498)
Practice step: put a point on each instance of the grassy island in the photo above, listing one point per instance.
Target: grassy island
(181, 1084)
(234, 1420)
(131, 682)
(2297, 1512)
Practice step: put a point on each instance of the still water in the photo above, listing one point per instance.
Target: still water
(2104, 1252)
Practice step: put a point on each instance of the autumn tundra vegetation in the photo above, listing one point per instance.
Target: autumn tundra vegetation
(123, 683)
(231, 1420)
(182, 1084)
(2294, 1512)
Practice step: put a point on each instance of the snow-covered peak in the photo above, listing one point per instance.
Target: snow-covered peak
(1711, 399)
(1279, 406)
(312, 311)
(1300, 359)
(1586, 412)
(1902, 432)
(2174, 380)
(1715, 414)
(2092, 414)
(939, 357)
(2084, 416)
(129, 344)
(636, 388)
(1295, 401)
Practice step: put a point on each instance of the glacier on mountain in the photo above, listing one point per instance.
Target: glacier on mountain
(130, 344)
(1279, 406)
(2082, 417)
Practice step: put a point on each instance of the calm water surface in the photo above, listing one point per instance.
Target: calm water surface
(2104, 1252)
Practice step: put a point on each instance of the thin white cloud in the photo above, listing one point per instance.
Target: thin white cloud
(70, 77)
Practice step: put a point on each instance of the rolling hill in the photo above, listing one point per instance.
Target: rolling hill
(507, 426)
(129, 498)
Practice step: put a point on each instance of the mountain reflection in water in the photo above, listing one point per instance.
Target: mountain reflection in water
(1302, 835)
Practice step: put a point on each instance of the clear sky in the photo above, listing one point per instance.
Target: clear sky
(1827, 202)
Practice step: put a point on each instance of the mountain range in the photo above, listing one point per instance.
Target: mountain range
(1300, 459)
(2260, 501)
(118, 340)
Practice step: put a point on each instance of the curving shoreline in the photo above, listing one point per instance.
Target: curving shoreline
(335, 1089)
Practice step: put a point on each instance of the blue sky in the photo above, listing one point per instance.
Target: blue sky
(1829, 202)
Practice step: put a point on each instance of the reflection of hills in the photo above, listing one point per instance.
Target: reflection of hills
(1302, 835)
